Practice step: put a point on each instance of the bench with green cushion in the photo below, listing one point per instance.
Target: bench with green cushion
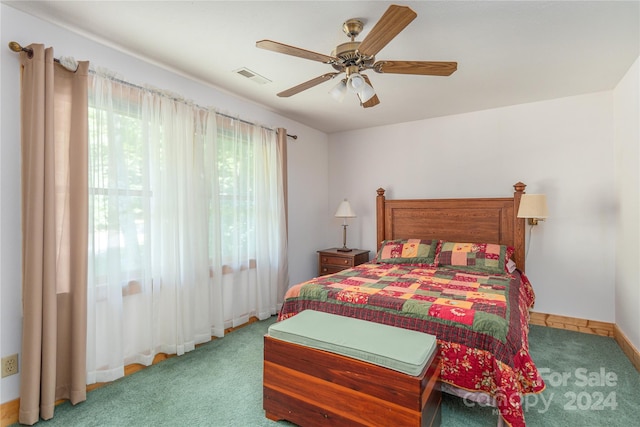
(388, 346)
(321, 368)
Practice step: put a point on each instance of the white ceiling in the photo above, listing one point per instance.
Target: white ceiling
(508, 52)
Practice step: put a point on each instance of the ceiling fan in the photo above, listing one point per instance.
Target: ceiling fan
(355, 57)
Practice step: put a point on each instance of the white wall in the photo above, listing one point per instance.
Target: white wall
(307, 159)
(627, 166)
(562, 147)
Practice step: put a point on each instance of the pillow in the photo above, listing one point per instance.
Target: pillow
(485, 257)
(407, 251)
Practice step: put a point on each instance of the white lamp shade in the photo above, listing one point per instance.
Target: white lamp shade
(339, 90)
(533, 206)
(366, 93)
(355, 83)
(344, 210)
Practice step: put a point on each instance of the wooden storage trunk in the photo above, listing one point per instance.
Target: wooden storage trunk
(311, 387)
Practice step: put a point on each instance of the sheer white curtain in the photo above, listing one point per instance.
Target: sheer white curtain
(187, 233)
(252, 219)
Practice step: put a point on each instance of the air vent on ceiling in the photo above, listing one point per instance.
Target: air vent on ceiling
(245, 72)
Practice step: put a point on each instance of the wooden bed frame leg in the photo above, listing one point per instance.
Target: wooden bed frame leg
(272, 417)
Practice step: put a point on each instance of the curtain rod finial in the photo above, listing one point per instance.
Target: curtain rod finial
(15, 46)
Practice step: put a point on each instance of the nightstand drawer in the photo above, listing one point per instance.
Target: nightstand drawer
(329, 269)
(334, 260)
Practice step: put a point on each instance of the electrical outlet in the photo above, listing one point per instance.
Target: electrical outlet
(9, 365)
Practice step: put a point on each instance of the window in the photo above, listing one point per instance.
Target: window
(187, 225)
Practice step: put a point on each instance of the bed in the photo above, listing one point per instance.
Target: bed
(453, 268)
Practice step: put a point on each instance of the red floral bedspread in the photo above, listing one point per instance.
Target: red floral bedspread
(480, 321)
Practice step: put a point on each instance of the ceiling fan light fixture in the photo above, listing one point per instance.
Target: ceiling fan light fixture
(354, 57)
(338, 92)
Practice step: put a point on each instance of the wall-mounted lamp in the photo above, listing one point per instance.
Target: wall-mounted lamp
(344, 211)
(533, 207)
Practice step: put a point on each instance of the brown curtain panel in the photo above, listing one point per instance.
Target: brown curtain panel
(54, 233)
(282, 152)
(283, 270)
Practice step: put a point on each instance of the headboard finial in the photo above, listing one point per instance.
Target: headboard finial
(519, 187)
(380, 191)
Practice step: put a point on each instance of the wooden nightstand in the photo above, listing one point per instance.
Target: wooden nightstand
(332, 260)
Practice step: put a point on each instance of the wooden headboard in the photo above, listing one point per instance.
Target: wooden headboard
(475, 220)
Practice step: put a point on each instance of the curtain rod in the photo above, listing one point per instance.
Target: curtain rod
(16, 47)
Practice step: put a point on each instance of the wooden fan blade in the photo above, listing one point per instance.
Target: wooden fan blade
(394, 20)
(374, 100)
(306, 85)
(295, 51)
(424, 68)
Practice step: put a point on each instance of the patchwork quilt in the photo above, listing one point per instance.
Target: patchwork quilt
(479, 319)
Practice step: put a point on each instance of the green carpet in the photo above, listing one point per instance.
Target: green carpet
(220, 384)
(589, 382)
